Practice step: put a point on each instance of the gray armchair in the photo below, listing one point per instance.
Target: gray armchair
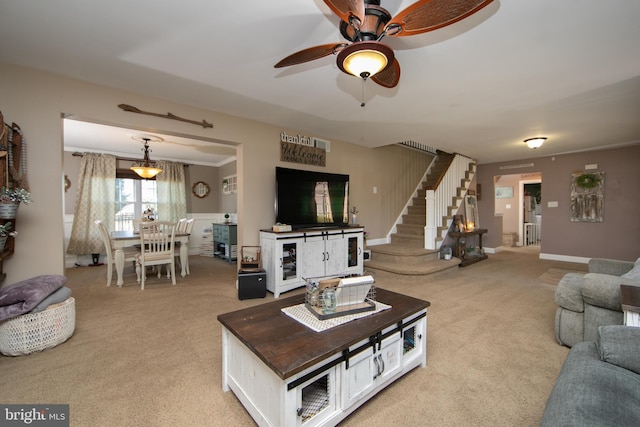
(588, 301)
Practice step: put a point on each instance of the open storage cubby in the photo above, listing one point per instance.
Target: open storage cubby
(315, 398)
(409, 340)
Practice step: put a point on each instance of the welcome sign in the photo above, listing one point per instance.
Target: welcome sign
(301, 149)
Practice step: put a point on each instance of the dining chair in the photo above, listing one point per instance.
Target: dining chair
(157, 240)
(181, 225)
(129, 253)
(188, 228)
(136, 225)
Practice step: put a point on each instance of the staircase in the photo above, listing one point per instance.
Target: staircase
(406, 254)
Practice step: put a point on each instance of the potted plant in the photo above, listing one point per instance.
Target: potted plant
(354, 213)
(10, 199)
(5, 232)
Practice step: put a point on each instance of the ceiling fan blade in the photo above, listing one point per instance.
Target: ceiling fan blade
(345, 8)
(429, 15)
(310, 54)
(390, 76)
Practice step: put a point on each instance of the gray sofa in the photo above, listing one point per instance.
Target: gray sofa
(588, 301)
(599, 383)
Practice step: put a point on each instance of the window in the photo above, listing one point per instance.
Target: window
(133, 197)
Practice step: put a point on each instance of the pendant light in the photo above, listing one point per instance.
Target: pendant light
(146, 168)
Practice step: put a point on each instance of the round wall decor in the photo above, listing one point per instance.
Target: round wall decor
(200, 189)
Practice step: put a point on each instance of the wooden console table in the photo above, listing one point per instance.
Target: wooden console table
(460, 248)
(630, 301)
(285, 374)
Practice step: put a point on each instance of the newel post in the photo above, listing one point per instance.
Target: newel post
(431, 228)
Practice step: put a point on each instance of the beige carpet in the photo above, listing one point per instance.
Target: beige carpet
(153, 357)
(553, 275)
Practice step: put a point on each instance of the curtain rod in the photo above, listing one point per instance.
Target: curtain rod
(129, 159)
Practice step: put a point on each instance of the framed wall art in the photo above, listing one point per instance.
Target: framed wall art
(504, 192)
(587, 197)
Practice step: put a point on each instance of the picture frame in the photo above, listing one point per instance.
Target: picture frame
(504, 192)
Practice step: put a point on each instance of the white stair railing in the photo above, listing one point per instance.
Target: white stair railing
(439, 201)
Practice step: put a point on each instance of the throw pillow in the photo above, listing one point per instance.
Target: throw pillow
(24, 296)
(58, 296)
(620, 346)
(634, 273)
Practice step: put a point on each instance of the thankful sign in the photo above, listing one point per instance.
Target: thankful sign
(300, 149)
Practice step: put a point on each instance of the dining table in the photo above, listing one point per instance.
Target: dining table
(121, 239)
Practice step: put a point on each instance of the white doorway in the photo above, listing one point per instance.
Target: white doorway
(530, 212)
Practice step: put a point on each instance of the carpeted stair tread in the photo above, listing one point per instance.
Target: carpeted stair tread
(428, 268)
(395, 249)
(408, 260)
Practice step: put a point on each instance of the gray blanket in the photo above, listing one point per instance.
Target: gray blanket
(24, 296)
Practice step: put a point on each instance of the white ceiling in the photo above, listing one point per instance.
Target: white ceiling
(569, 70)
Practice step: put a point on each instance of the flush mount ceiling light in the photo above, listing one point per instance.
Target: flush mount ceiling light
(146, 168)
(535, 142)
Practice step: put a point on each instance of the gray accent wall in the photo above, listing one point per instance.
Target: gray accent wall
(617, 237)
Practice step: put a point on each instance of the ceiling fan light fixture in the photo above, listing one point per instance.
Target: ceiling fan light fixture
(536, 142)
(146, 168)
(365, 59)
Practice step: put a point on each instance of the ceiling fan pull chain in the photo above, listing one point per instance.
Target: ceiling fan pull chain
(362, 104)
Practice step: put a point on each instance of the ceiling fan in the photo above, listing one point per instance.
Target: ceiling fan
(364, 23)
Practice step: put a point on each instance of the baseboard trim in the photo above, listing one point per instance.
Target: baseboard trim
(565, 258)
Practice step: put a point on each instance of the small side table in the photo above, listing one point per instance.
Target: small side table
(460, 246)
(630, 300)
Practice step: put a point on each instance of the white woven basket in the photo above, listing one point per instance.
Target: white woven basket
(33, 332)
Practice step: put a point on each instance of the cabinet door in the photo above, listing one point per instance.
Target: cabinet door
(313, 256)
(390, 358)
(287, 253)
(370, 370)
(358, 380)
(217, 233)
(354, 253)
(335, 259)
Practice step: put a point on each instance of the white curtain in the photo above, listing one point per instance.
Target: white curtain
(95, 199)
(172, 197)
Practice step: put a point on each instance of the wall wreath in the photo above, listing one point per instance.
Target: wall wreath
(587, 180)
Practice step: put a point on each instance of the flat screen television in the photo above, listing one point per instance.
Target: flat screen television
(308, 199)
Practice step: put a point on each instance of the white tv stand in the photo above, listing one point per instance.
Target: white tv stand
(293, 256)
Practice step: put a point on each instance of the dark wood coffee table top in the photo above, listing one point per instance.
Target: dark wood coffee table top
(289, 347)
(630, 298)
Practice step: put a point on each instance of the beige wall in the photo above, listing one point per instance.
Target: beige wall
(228, 203)
(36, 101)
